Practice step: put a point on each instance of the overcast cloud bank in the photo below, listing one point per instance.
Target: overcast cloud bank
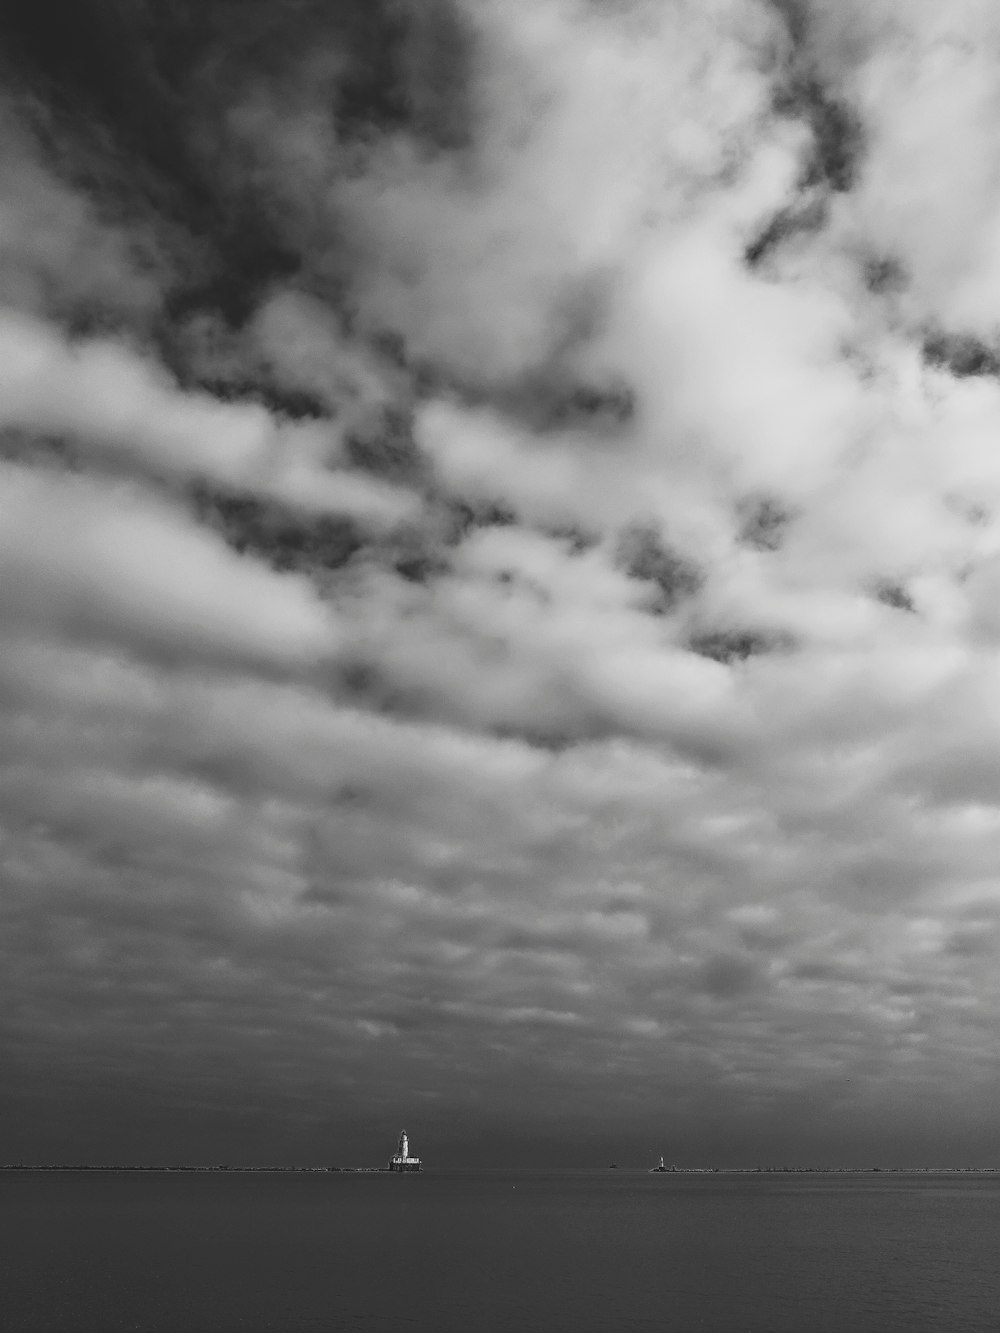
(499, 571)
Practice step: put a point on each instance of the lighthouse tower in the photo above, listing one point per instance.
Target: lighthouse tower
(402, 1160)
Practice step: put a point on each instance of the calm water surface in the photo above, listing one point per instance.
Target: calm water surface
(563, 1252)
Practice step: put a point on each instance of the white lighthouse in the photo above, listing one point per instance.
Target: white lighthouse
(402, 1160)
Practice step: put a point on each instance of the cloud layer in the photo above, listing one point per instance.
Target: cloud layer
(499, 556)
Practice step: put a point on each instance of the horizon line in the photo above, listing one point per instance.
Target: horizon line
(614, 1166)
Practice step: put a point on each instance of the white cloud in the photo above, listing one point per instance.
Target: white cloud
(118, 405)
(85, 558)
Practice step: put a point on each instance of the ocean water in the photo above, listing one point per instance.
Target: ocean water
(481, 1252)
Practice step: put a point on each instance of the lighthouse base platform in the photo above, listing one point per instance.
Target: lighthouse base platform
(403, 1164)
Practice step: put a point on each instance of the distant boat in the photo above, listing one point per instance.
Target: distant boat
(661, 1167)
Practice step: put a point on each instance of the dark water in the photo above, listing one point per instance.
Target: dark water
(563, 1252)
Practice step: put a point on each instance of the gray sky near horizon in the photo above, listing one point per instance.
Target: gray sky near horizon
(500, 580)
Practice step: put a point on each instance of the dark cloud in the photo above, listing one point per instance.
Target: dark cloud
(785, 225)
(295, 404)
(736, 645)
(728, 975)
(645, 556)
(961, 354)
(896, 596)
(464, 517)
(285, 538)
(838, 137)
(764, 522)
(146, 102)
(385, 446)
(884, 275)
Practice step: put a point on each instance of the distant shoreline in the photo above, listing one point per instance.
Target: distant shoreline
(381, 1170)
(212, 1170)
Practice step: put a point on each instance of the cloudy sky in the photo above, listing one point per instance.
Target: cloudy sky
(500, 580)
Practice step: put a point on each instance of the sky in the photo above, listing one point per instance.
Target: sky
(500, 581)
